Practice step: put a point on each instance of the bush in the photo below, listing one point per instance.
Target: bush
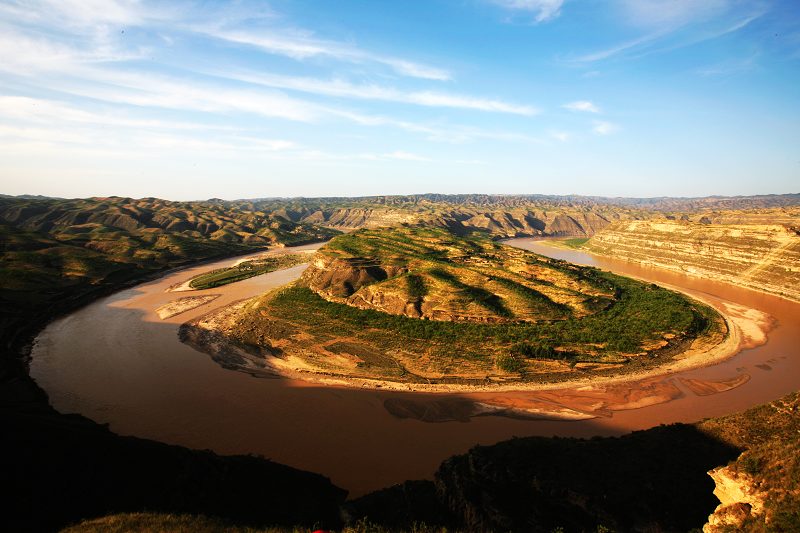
(508, 363)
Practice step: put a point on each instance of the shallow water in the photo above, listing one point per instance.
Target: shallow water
(116, 362)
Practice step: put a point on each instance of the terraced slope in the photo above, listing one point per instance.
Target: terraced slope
(759, 256)
(420, 305)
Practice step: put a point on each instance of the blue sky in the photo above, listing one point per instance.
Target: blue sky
(192, 100)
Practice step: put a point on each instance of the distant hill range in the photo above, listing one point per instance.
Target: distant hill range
(662, 203)
(293, 220)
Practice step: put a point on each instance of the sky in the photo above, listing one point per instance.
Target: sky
(245, 99)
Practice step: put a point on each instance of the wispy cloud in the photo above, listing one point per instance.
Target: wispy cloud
(602, 127)
(674, 24)
(346, 89)
(61, 137)
(448, 133)
(582, 105)
(41, 111)
(94, 17)
(731, 67)
(614, 50)
(301, 46)
(542, 10)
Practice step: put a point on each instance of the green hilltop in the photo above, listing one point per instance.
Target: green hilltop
(414, 304)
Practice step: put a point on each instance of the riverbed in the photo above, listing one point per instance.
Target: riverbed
(117, 362)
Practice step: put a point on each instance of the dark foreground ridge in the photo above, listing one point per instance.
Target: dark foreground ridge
(648, 480)
(67, 468)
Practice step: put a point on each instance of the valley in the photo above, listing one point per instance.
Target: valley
(464, 287)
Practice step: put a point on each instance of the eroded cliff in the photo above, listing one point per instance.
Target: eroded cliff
(764, 257)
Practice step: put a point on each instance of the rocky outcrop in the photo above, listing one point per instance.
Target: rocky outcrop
(337, 279)
(764, 257)
(740, 500)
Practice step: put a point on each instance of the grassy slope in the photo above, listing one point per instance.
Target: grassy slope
(636, 315)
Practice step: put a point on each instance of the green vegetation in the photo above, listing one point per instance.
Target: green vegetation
(574, 243)
(416, 286)
(246, 269)
(555, 312)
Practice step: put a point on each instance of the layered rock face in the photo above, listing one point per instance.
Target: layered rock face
(764, 257)
(339, 278)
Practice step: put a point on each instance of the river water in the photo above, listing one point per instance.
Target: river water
(116, 362)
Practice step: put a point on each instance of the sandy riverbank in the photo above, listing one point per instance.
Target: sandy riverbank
(185, 286)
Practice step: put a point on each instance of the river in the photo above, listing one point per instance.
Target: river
(116, 362)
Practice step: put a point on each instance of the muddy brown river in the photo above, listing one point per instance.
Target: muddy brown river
(116, 362)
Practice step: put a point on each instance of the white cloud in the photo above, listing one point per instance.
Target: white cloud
(149, 90)
(376, 92)
(582, 105)
(604, 128)
(468, 102)
(76, 13)
(543, 10)
(560, 136)
(454, 134)
(40, 111)
(94, 19)
(675, 24)
(66, 69)
(617, 49)
(301, 46)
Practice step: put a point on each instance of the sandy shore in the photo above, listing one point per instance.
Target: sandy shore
(181, 305)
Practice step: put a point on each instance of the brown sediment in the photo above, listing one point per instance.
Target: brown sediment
(181, 305)
(702, 387)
